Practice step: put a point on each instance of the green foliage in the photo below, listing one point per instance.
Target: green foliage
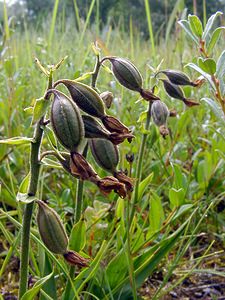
(181, 178)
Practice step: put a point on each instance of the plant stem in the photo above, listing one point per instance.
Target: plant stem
(96, 72)
(130, 260)
(139, 164)
(27, 215)
(78, 210)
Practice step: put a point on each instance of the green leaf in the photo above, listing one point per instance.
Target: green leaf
(40, 107)
(195, 25)
(32, 293)
(117, 269)
(24, 184)
(87, 273)
(213, 40)
(22, 195)
(209, 26)
(50, 136)
(156, 214)
(185, 25)
(220, 66)
(182, 209)
(180, 179)
(84, 76)
(204, 169)
(40, 66)
(176, 197)
(51, 163)
(142, 117)
(17, 141)
(144, 185)
(50, 286)
(58, 65)
(208, 65)
(77, 238)
(216, 109)
(204, 74)
(107, 69)
(25, 198)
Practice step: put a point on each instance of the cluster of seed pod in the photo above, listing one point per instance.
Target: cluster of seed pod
(70, 128)
(104, 134)
(130, 77)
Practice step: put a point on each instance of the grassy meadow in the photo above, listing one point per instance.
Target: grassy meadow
(175, 238)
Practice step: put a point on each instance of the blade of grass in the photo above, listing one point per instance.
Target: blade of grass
(77, 15)
(86, 22)
(53, 22)
(204, 12)
(10, 253)
(172, 18)
(148, 14)
(6, 23)
(131, 39)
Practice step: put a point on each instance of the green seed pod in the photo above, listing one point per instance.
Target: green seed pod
(51, 229)
(177, 77)
(159, 112)
(105, 154)
(85, 97)
(126, 73)
(93, 128)
(173, 90)
(66, 121)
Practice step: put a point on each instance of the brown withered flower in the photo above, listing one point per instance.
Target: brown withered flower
(75, 259)
(80, 167)
(124, 179)
(114, 125)
(109, 183)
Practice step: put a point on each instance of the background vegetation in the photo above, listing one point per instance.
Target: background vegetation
(184, 173)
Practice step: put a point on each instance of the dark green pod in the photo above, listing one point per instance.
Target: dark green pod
(126, 73)
(177, 77)
(93, 128)
(51, 229)
(105, 154)
(85, 97)
(160, 112)
(173, 90)
(66, 121)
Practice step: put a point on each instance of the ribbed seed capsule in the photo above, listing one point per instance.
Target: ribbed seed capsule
(107, 157)
(85, 97)
(176, 92)
(159, 112)
(178, 78)
(173, 90)
(126, 73)
(54, 235)
(105, 154)
(66, 121)
(93, 128)
(51, 229)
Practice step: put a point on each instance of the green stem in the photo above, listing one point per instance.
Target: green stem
(130, 260)
(27, 215)
(96, 72)
(78, 210)
(139, 164)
